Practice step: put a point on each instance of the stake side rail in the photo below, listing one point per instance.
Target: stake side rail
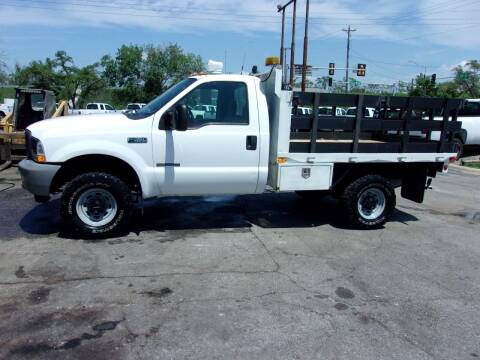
(400, 124)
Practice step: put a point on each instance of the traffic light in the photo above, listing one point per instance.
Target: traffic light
(331, 69)
(434, 79)
(330, 81)
(361, 69)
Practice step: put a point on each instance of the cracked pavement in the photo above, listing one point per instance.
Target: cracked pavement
(248, 277)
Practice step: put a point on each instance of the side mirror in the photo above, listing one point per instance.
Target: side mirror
(181, 117)
(167, 121)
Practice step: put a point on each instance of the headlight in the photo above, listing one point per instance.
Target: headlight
(36, 150)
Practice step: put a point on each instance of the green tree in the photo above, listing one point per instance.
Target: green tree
(62, 76)
(424, 86)
(4, 78)
(3, 73)
(466, 83)
(467, 78)
(144, 72)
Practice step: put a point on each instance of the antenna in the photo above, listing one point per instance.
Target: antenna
(243, 62)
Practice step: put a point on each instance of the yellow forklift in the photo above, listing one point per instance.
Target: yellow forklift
(31, 105)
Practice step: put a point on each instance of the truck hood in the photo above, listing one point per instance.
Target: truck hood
(80, 124)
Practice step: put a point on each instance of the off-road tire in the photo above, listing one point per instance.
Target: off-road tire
(107, 182)
(459, 147)
(351, 196)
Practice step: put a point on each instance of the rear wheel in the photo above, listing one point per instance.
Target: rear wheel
(96, 204)
(458, 147)
(369, 201)
(2, 115)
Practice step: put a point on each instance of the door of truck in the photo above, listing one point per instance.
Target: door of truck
(219, 152)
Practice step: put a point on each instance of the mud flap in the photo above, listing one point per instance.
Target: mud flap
(414, 184)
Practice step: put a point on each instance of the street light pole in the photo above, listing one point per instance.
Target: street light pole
(305, 48)
(282, 46)
(292, 51)
(292, 48)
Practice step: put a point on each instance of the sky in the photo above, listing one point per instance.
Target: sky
(397, 39)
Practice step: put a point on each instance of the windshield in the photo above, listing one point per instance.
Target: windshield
(153, 106)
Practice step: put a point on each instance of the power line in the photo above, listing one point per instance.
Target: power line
(202, 9)
(228, 16)
(361, 56)
(433, 33)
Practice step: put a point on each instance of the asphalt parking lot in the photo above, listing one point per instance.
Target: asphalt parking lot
(249, 277)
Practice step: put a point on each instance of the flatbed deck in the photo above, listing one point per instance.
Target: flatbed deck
(400, 125)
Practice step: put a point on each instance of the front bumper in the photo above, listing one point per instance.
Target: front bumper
(37, 178)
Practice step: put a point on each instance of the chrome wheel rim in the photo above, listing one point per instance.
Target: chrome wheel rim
(96, 207)
(371, 203)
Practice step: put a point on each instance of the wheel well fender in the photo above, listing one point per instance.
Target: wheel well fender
(91, 163)
(345, 174)
(462, 135)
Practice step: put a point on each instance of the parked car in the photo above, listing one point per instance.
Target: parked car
(367, 112)
(304, 111)
(328, 111)
(94, 108)
(469, 137)
(134, 106)
(203, 111)
(470, 118)
(6, 107)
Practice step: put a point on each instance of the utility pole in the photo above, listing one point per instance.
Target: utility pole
(305, 49)
(348, 31)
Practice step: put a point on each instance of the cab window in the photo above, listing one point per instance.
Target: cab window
(218, 102)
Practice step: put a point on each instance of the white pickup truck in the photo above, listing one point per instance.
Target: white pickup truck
(6, 108)
(106, 164)
(94, 108)
(469, 115)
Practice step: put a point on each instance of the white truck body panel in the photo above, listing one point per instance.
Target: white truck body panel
(101, 134)
(472, 125)
(192, 170)
(293, 177)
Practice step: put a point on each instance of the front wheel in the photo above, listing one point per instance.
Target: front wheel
(96, 204)
(369, 201)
